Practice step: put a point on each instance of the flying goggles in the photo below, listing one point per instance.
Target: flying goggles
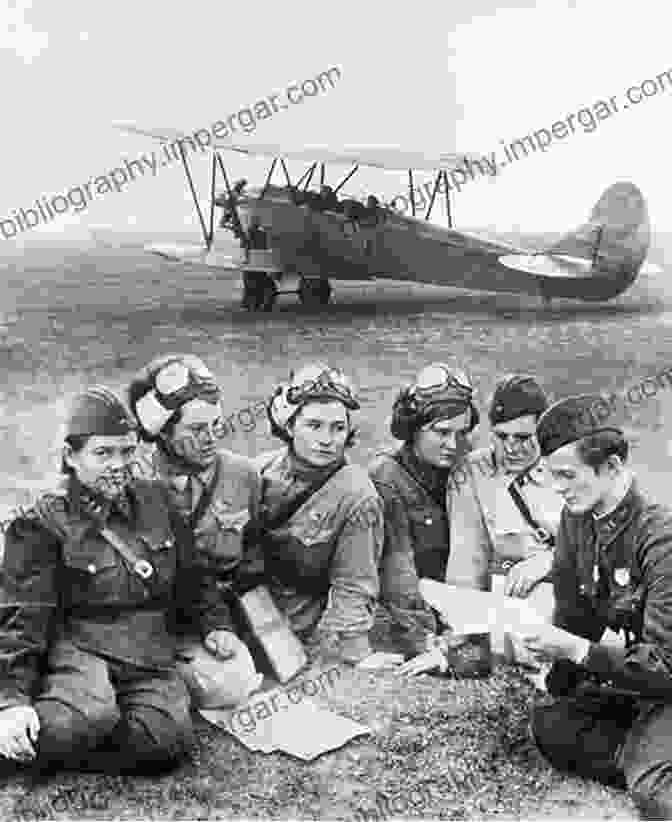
(317, 383)
(436, 380)
(176, 384)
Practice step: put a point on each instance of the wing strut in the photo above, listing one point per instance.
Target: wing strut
(268, 178)
(306, 177)
(311, 171)
(411, 193)
(434, 193)
(345, 179)
(284, 168)
(212, 200)
(448, 213)
(187, 171)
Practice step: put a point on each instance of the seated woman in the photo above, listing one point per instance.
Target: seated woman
(518, 510)
(433, 417)
(91, 583)
(504, 513)
(521, 511)
(321, 521)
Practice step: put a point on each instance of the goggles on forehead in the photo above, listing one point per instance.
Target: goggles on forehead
(174, 383)
(437, 378)
(321, 383)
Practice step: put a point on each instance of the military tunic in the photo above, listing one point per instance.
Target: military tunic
(83, 638)
(496, 529)
(323, 561)
(616, 571)
(215, 508)
(417, 541)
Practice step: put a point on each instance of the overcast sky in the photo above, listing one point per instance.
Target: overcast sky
(435, 76)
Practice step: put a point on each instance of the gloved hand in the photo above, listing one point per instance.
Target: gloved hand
(19, 729)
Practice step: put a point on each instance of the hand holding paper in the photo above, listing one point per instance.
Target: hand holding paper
(548, 643)
(469, 611)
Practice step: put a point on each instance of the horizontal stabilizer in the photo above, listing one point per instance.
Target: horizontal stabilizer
(547, 265)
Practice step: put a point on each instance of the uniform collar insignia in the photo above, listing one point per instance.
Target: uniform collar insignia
(614, 519)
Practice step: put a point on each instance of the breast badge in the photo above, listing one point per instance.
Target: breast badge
(622, 577)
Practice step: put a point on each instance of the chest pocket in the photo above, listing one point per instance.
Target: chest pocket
(315, 526)
(161, 551)
(625, 602)
(219, 535)
(93, 569)
(96, 572)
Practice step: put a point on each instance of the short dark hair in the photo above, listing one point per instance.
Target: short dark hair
(595, 449)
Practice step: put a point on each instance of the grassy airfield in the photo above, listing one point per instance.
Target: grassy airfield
(71, 318)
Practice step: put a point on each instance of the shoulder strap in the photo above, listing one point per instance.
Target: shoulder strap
(541, 533)
(141, 567)
(287, 511)
(206, 498)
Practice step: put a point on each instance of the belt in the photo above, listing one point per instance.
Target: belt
(114, 609)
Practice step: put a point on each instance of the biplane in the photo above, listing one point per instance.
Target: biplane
(293, 239)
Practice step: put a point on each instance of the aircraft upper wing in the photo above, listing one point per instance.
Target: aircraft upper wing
(164, 135)
(386, 157)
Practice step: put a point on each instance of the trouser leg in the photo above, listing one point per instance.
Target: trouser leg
(584, 736)
(647, 761)
(76, 706)
(155, 730)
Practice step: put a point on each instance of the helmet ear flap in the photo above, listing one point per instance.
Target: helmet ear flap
(404, 417)
(475, 417)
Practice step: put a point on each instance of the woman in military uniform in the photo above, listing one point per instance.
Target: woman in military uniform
(177, 404)
(433, 417)
(87, 655)
(518, 512)
(321, 523)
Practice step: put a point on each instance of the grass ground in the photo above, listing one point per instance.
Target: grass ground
(77, 319)
(437, 749)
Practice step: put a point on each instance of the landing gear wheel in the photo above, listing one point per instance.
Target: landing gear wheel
(259, 291)
(314, 291)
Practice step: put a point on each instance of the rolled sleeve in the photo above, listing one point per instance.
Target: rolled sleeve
(354, 582)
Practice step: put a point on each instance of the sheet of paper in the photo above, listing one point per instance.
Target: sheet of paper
(472, 612)
(304, 730)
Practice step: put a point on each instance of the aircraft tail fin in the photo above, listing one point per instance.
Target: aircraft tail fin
(617, 235)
